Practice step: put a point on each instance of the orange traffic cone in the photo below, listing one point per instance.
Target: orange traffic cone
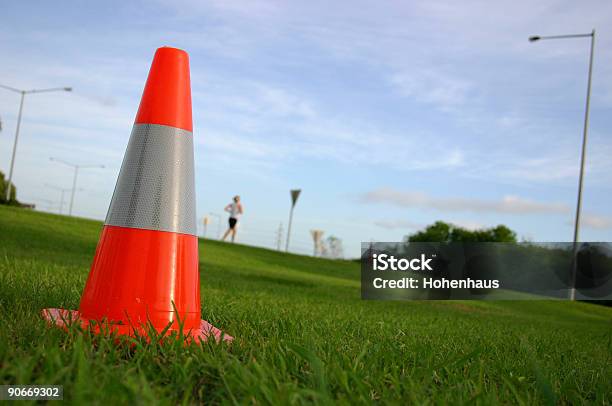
(146, 265)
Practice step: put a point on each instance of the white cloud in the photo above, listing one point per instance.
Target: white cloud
(470, 225)
(398, 224)
(261, 100)
(507, 204)
(259, 120)
(414, 226)
(429, 86)
(596, 222)
(554, 161)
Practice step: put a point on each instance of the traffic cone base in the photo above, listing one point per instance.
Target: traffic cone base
(145, 270)
(166, 288)
(64, 318)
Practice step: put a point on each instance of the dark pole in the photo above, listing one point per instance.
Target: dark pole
(295, 193)
(23, 93)
(289, 228)
(585, 131)
(10, 177)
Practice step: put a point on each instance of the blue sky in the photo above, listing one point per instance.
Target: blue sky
(388, 115)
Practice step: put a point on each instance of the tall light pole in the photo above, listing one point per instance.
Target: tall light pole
(585, 130)
(295, 193)
(62, 191)
(74, 180)
(279, 236)
(23, 93)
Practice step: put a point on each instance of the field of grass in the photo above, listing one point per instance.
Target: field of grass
(303, 335)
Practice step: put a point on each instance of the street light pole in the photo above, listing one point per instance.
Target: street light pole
(23, 93)
(76, 173)
(74, 180)
(585, 131)
(289, 228)
(62, 191)
(10, 176)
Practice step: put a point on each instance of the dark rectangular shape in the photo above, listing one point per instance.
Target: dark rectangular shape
(31, 392)
(484, 271)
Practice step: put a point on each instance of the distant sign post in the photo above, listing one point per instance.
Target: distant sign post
(218, 216)
(295, 193)
(206, 220)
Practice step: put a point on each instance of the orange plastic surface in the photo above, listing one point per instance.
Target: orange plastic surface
(137, 274)
(166, 98)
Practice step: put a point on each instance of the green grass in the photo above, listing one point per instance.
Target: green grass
(302, 335)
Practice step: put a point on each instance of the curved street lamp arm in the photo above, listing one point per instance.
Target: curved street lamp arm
(540, 37)
(53, 89)
(61, 161)
(12, 89)
(90, 166)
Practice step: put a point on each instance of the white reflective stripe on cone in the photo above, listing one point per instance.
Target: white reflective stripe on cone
(156, 188)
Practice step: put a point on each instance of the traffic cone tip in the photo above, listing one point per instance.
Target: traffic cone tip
(166, 99)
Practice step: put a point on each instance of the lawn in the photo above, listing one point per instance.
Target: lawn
(303, 335)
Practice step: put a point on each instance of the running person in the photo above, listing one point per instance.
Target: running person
(235, 210)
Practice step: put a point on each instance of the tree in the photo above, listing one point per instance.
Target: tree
(437, 232)
(501, 233)
(331, 248)
(13, 197)
(446, 232)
